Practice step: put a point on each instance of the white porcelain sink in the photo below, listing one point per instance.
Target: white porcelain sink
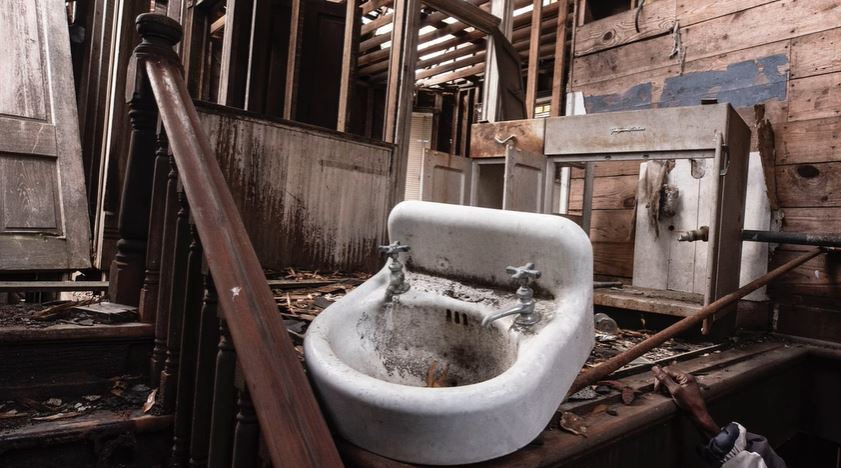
(371, 362)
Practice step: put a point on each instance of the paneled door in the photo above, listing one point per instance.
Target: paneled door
(43, 214)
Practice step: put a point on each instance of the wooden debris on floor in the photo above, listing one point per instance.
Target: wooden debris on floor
(46, 314)
(126, 394)
(573, 423)
(610, 344)
(302, 295)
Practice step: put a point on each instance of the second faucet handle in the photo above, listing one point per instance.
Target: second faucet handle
(393, 249)
(524, 274)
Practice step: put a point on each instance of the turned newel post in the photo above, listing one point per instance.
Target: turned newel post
(159, 34)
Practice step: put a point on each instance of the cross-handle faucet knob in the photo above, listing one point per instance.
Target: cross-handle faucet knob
(393, 249)
(524, 274)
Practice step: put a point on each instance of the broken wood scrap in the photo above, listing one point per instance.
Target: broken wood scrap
(62, 310)
(573, 423)
(628, 393)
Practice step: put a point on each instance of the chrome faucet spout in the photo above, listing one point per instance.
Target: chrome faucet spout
(527, 316)
(513, 310)
(397, 278)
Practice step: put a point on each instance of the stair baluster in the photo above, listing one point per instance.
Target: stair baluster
(165, 286)
(208, 341)
(246, 434)
(222, 419)
(188, 347)
(177, 299)
(149, 294)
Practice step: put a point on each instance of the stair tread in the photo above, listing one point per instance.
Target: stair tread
(94, 424)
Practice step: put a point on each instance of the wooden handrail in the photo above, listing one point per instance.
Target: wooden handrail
(290, 419)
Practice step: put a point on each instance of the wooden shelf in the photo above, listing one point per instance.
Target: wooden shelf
(657, 301)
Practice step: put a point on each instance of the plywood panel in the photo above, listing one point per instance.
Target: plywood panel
(309, 198)
(815, 97)
(809, 185)
(808, 141)
(816, 54)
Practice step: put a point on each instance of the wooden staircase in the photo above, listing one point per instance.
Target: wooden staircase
(222, 382)
(74, 395)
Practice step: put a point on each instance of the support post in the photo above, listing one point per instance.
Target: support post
(292, 61)
(558, 75)
(128, 266)
(353, 22)
(503, 9)
(534, 57)
(235, 45)
(401, 86)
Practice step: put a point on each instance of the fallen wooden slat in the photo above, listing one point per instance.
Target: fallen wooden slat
(35, 286)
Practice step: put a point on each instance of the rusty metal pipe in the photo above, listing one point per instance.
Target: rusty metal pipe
(593, 375)
(798, 238)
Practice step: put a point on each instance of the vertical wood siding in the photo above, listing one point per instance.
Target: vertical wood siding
(309, 198)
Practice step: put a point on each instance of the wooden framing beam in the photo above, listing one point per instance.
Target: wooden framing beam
(235, 45)
(295, 19)
(372, 5)
(478, 69)
(478, 57)
(534, 57)
(467, 13)
(504, 9)
(255, 86)
(353, 15)
(401, 86)
(380, 57)
(558, 75)
(436, 17)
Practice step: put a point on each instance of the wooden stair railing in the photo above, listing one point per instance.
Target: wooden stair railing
(222, 351)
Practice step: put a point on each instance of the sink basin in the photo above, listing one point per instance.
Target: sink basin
(420, 379)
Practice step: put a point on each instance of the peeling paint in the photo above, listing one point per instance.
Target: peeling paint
(638, 97)
(742, 84)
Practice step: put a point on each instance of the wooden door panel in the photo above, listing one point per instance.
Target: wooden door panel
(43, 214)
(445, 178)
(29, 195)
(525, 174)
(23, 91)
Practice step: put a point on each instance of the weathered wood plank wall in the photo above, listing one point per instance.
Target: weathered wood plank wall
(783, 54)
(310, 198)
